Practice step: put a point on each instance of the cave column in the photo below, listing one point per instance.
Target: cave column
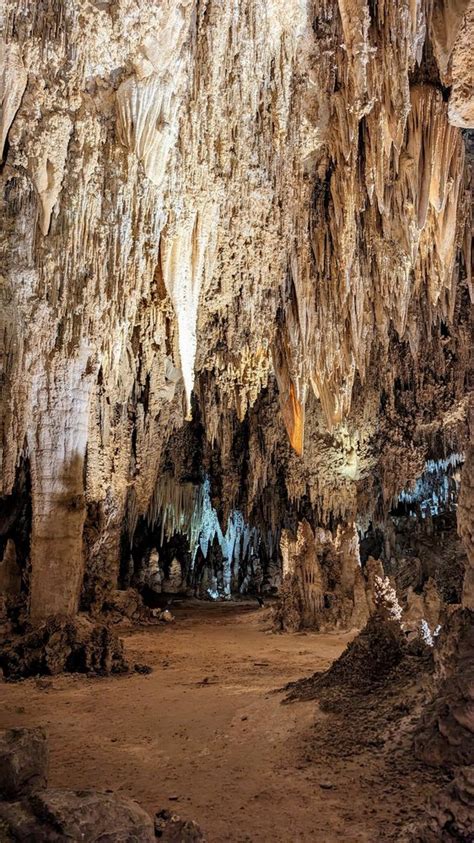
(57, 440)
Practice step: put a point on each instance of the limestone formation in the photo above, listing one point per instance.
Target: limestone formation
(324, 576)
(466, 526)
(446, 734)
(235, 333)
(225, 211)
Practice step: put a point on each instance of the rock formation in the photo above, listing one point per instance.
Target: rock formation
(63, 644)
(235, 353)
(257, 214)
(235, 339)
(445, 736)
(324, 586)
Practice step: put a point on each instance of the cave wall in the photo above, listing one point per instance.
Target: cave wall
(264, 202)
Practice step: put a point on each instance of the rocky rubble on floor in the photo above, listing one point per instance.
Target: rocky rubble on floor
(33, 812)
(171, 828)
(412, 704)
(371, 711)
(122, 606)
(75, 645)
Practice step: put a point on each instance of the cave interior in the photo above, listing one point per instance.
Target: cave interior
(236, 420)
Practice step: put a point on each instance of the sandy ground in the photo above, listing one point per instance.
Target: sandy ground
(205, 733)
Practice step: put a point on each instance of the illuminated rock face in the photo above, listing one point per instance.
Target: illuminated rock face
(263, 203)
(324, 586)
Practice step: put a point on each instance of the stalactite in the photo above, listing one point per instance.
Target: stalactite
(187, 259)
(260, 206)
(178, 508)
(14, 78)
(437, 488)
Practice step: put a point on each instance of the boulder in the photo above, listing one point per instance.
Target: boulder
(120, 604)
(87, 815)
(166, 616)
(23, 762)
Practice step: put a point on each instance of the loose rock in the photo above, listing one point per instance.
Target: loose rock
(87, 815)
(172, 828)
(23, 762)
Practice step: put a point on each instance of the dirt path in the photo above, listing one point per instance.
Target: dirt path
(204, 733)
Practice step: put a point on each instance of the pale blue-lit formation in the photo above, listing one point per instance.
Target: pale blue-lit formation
(437, 489)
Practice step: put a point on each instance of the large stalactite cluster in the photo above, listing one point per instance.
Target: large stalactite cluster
(254, 214)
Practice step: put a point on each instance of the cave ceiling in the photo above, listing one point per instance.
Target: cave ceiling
(246, 223)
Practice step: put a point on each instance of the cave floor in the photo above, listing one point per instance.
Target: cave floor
(206, 735)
